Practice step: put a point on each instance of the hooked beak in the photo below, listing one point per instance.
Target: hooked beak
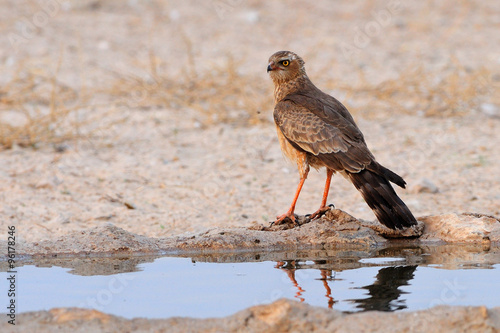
(271, 66)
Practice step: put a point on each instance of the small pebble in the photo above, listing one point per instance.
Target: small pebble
(491, 110)
(103, 45)
(252, 16)
(174, 15)
(424, 185)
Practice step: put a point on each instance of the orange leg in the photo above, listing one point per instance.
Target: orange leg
(290, 271)
(300, 291)
(323, 208)
(290, 211)
(324, 276)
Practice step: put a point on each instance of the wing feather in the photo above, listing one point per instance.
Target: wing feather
(319, 127)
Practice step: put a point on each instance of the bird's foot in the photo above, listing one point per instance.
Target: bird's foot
(321, 211)
(285, 218)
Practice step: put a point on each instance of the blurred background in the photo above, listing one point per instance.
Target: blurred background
(157, 115)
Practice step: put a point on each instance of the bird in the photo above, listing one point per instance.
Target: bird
(316, 130)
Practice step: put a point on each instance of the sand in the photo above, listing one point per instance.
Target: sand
(165, 170)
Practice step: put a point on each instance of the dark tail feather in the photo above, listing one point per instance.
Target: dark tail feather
(378, 193)
(393, 177)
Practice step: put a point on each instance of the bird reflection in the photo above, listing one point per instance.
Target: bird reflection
(385, 290)
(290, 266)
(383, 293)
(325, 276)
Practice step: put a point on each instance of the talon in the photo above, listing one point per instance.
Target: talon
(321, 211)
(281, 218)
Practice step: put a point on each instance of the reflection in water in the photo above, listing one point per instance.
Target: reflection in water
(383, 294)
(345, 279)
(325, 276)
(290, 266)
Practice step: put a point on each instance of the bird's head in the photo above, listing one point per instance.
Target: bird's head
(284, 66)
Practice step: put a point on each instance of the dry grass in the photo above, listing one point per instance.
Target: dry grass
(450, 91)
(220, 94)
(35, 108)
(53, 112)
(224, 95)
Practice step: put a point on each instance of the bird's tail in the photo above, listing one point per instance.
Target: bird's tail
(378, 193)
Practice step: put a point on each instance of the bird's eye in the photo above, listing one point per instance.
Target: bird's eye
(285, 63)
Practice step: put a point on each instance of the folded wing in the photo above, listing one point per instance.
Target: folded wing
(322, 130)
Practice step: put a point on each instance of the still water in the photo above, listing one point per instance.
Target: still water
(397, 279)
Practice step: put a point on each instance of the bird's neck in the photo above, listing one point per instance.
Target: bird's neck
(282, 89)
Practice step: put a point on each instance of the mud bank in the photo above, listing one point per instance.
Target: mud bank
(274, 317)
(334, 230)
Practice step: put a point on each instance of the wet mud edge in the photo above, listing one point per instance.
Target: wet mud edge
(336, 229)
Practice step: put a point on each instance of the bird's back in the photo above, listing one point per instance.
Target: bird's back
(321, 130)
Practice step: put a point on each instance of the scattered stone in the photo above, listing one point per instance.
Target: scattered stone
(461, 228)
(252, 16)
(491, 110)
(103, 45)
(174, 15)
(119, 199)
(42, 185)
(424, 185)
(61, 147)
(129, 205)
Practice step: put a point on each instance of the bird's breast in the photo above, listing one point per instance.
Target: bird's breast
(288, 150)
(302, 158)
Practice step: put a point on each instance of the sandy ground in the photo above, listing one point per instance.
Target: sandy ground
(165, 170)
(274, 317)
